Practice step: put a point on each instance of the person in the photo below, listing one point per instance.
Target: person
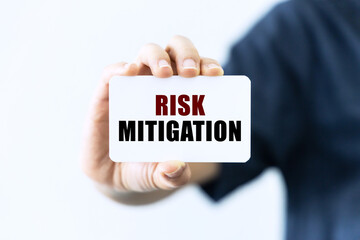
(303, 59)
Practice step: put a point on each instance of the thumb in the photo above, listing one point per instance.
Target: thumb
(145, 177)
(171, 174)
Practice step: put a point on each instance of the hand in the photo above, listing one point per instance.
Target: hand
(180, 57)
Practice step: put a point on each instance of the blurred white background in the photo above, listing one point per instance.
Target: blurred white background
(51, 56)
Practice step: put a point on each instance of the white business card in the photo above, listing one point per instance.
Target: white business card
(201, 119)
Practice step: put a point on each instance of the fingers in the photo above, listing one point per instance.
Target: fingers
(145, 177)
(153, 57)
(180, 57)
(210, 67)
(184, 54)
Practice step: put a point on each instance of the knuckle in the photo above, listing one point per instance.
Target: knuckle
(189, 50)
(150, 46)
(177, 37)
(151, 50)
(177, 41)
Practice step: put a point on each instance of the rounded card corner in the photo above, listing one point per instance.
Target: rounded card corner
(246, 78)
(111, 158)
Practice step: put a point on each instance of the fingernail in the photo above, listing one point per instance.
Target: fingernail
(213, 65)
(163, 63)
(189, 64)
(177, 171)
(126, 65)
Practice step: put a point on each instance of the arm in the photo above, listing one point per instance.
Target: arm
(141, 183)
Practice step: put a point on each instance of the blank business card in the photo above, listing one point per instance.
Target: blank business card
(201, 119)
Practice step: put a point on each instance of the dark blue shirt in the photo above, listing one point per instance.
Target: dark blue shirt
(304, 62)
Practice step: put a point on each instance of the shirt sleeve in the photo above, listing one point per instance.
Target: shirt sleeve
(273, 55)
